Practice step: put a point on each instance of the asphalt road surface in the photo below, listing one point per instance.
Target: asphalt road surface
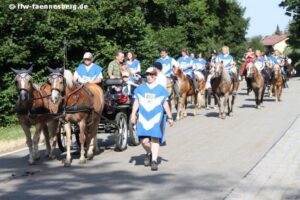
(205, 158)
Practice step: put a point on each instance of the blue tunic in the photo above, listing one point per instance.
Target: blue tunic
(167, 65)
(226, 59)
(151, 118)
(87, 76)
(199, 64)
(184, 62)
(134, 64)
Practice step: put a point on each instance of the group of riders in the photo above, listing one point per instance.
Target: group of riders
(129, 68)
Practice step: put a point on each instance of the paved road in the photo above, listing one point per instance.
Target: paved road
(205, 158)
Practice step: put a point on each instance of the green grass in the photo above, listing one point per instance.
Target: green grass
(11, 133)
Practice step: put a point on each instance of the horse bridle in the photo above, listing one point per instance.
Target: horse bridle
(54, 76)
(23, 77)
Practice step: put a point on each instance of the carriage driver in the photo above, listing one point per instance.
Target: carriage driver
(228, 62)
(88, 72)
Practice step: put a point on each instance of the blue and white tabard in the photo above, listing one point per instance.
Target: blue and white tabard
(151, 118)
(85, 76)
(134, 65)
(226, 59)
(167, 64)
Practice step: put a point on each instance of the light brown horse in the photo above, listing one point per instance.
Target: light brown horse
(83, 105)
(187, 89)
(222, 86)
(32, 108)
(257, 83)
(277, 82)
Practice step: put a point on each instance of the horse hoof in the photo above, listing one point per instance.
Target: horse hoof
(90, 156)
(97, 151)
(82, 161)
(31, 162)
(52, 157)
(67, 164)
(37, 158)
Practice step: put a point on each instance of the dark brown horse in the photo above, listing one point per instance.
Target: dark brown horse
(187, 89)
(222, 86)
(83, 104)
(32, 108)
(277, 82)
(257, 84)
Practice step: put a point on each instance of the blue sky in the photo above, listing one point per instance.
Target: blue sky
(264, 16)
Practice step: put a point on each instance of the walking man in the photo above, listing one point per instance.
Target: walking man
(150, 102)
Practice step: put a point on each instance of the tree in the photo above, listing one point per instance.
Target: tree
(37, 36)
(277, 31)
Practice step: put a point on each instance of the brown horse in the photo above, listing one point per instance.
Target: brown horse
(222, 86)
(187, 89)
(277, 82)
(32, 108)
(257, 84)
(83, 104)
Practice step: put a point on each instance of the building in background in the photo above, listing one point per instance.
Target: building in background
(275, 42)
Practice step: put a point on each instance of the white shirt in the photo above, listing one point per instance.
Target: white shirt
(161, 79)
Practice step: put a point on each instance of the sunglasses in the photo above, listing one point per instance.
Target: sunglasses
(150, 74)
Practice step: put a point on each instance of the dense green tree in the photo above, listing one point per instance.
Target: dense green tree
(37, 36)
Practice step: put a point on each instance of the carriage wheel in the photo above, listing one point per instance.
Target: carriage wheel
(61, 136)
(121, 134)
(134, 139)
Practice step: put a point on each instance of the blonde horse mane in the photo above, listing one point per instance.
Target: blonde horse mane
(69, 78)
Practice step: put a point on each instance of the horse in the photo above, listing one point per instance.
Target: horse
(277, 82)
(257, 83)
(32, 108)
(83, 104)
(222, 86)
(186, 88)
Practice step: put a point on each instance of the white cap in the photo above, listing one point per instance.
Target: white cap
(151, 70)
(87, 55)
(289, 61)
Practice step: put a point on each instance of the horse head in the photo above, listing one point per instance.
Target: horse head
(250, 70)
(24, 82)
(57, 82)
(218, 69)
(277, 71)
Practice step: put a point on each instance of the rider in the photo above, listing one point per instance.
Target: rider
(227, 61)
(186, 64)
(199, 64)
(114, 67)
(249, 56)
(276, 59)
(260, 64)
(88, 72)
(167, 62)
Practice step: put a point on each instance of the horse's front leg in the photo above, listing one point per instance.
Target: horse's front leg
(225, 102)
(276, 93)
(92, 141)
(26, 128)
(185, 106)
(195, 104)
(36, 138)
(82, 126)
(68, 130)
(180, 108)
(53, 129)
(47, 140)
(219, 104)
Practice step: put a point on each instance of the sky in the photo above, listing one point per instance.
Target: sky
(264, 16)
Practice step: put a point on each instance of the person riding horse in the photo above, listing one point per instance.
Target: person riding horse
(167, 62)
(260, 64)
(275, 59)
(227, 61)
(186, 64)
(88, 72)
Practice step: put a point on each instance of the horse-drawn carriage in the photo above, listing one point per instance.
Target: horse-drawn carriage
(114, 119)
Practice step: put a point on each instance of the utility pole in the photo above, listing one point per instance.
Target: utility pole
(65, 53)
